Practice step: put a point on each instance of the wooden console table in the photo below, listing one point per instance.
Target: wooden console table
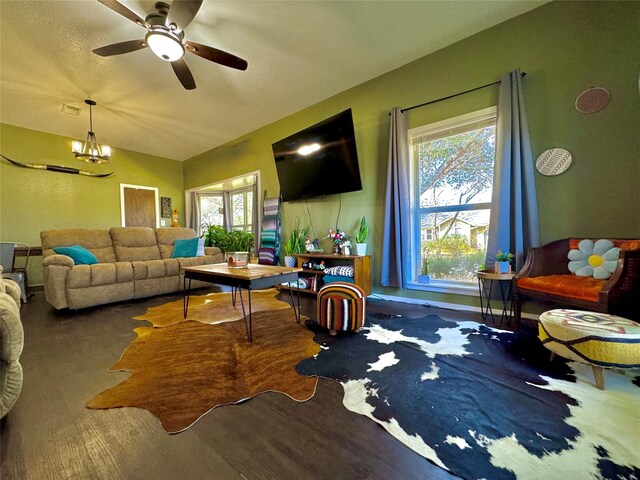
(33, 252)
(361, 269)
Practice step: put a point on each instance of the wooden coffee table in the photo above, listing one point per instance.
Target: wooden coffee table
(252, 277)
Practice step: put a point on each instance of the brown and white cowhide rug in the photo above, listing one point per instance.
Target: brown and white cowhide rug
(182, 371)
(213, 308)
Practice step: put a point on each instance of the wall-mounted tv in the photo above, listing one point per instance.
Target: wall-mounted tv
(319, 160)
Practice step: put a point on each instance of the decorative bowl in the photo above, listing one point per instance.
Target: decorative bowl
(237, 259)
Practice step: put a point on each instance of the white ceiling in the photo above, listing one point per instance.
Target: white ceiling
(299, 53)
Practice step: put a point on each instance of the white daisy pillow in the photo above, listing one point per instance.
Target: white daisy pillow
(597, 260)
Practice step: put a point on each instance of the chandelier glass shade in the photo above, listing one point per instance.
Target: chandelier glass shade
(91, 151)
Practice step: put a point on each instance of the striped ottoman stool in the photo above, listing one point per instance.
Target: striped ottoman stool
(341, 307)
(597, 339)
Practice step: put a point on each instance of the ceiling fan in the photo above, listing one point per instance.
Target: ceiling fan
(165, 38)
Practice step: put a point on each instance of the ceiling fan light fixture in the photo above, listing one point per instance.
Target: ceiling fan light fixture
(91, 151)
(165, 45)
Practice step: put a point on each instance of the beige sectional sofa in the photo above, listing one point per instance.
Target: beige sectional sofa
(134, 262)
(11, 344)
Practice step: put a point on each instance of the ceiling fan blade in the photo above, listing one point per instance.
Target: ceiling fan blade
(215, 55)
(182, 12)
(124, 11)
(119, 48)
(184, 74)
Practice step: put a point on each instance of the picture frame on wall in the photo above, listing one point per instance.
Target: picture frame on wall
(165, 204)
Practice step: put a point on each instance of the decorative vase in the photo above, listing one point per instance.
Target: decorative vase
(503, 267)
(336, 249)
(289, 261)
(361, 249)
(346, 250)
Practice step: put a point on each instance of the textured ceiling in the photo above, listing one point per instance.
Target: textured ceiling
(299, 53)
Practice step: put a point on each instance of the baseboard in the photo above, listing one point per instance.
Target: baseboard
(36, 288)
(448, 306)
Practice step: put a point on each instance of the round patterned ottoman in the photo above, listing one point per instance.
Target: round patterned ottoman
(597, 339)
(341, 307)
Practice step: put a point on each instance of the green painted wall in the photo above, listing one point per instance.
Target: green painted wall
(564, 47)
(36, 200)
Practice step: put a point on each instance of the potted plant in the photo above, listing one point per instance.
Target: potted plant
(338, 238)
(227, 241)
(295, 243)
(361, 237)
(503, 262)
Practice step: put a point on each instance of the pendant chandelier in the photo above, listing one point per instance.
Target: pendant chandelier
(91, 151)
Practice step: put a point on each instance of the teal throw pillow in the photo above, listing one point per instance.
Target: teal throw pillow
(79, 255)
(187, 247)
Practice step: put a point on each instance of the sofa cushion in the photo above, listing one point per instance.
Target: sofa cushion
(134, 244)
(186, 247)
(167, 236)
(581, 288)
(79, 255)
(629, 244)
(11, 333)
(96, 240)
(83, 276)
(155, 269)
(103, 274)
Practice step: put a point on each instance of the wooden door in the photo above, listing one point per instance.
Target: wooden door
(139, 207)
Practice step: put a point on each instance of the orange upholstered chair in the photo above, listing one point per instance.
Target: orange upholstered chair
(545, 276)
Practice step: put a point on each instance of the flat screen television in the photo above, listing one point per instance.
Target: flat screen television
(319, 160)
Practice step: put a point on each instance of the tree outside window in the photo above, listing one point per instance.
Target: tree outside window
(211, 210)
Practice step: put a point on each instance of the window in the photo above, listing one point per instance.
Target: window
(242, 210)
(211, 209)
(452, 183)
(240, 204)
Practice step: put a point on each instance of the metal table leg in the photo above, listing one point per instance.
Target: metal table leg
(249, 327)
(185, 296)
(296, 310)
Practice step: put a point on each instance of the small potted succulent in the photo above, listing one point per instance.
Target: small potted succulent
(503, 262)
(361, 237)
(295, 244)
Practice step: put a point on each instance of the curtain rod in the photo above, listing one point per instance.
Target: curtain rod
(456, 94)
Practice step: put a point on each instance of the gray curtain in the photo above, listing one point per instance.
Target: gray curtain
(514, 206)
(396, 259)
(255, 219)
(194, 218)
(227, 219)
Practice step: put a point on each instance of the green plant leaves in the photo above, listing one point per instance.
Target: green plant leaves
(233, 241)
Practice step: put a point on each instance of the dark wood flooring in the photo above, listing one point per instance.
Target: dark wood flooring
(49, 434)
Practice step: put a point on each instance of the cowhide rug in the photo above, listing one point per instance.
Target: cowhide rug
(486, 403)
(212, 308)
(182, 371)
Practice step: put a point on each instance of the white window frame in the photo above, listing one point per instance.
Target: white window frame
(244, 191)
(425, 133)
(258, 200)
(205, 195)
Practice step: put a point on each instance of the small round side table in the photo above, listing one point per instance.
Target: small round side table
(486, 279)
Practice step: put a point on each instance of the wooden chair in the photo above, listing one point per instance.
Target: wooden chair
(545, 276)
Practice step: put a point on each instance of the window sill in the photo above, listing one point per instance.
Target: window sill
(456, 288)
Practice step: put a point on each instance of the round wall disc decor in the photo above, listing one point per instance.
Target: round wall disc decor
(553, 161)
(593, 100)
